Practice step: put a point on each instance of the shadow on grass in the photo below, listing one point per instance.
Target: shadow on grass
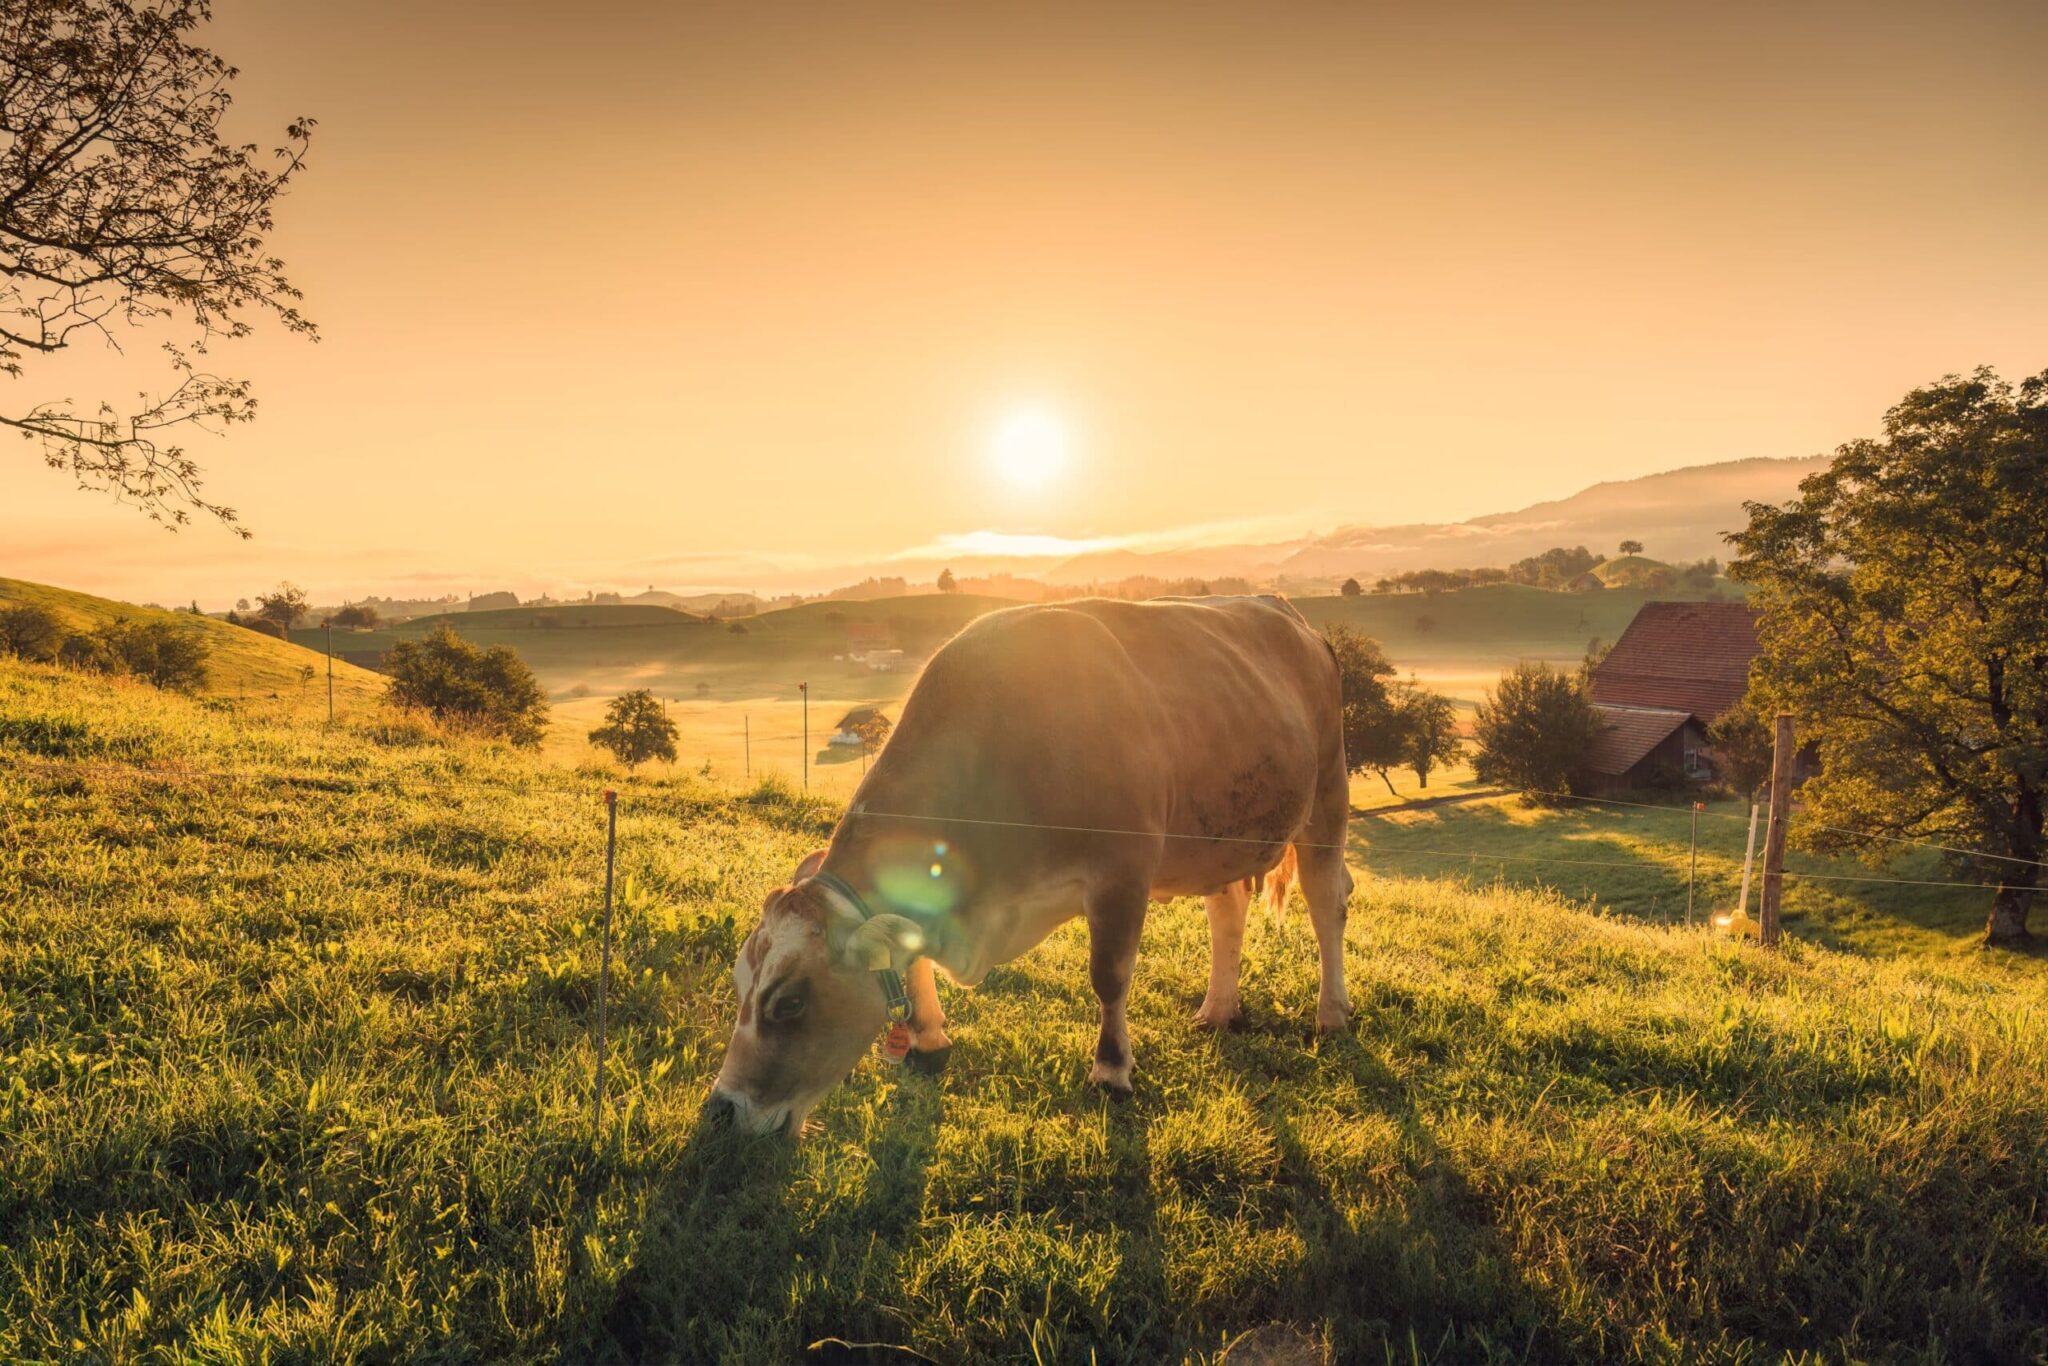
(727, 1244)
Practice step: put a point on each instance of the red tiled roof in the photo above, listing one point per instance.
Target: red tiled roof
(1690, 656)
(1629, 733)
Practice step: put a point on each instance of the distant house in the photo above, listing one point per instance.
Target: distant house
(848, 732)
(864, 638)
(1677, 669)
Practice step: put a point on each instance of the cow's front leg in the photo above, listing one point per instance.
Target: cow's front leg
(1227, 910)
(1114, 922)
(929, 1046)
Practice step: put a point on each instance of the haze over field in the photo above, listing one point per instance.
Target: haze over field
(769, 296)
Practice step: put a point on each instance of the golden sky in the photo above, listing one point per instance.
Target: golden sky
(740, 295)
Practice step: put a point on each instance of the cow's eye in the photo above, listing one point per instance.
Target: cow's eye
(788, 1006)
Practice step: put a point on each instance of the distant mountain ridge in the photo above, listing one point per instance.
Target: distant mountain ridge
(1681, 514)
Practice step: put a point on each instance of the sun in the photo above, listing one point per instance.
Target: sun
(1029, 448)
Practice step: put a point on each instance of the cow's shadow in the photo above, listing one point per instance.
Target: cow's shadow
(722, 1248)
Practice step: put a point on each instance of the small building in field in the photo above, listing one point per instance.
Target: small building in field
(866, 638)
(1677, 669)
(848, 730)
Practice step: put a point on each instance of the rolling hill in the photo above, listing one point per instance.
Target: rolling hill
(240, 662)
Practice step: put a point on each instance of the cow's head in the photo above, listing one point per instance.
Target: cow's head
(809, 1002)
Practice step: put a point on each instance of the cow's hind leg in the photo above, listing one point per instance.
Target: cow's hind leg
(1227, 910)
(929, 1046)
(1115, 919)
(1326, 886)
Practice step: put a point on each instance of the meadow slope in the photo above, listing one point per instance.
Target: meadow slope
(240, 664)
(295, 1062)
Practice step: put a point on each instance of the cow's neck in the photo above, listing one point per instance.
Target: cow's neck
(851, 858)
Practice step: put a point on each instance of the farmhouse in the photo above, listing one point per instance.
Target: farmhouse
(1678, 668)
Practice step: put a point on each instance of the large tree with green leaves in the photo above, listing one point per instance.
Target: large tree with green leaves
(1904, 599)
(1533, 731)
(1373, 734)
(124, 213)
(1429, 730)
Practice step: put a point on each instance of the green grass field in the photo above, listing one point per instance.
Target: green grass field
(241, 664)
(295, 1054)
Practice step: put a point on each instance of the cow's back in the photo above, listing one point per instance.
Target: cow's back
(1206, 722)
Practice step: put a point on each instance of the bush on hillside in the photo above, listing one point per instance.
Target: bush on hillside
(29, 631)
(157, 652)
(452, 680)
(84, 653)
(1533, 731)
(637, 728)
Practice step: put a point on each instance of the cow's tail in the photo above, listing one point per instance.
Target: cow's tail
(1280, 880)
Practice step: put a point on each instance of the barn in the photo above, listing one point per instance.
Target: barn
(1678, 668)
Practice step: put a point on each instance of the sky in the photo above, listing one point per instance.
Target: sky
(768, 295)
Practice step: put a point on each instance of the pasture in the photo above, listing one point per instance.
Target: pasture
(1455, 641)
(295, 1056)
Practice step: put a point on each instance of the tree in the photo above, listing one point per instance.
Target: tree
(946, 583)
(360, 616)
(30, 631)
(637, 728)
(157, 652)
(872, 729)
(1742, 742)
(1904, 623)
(1632, 547)
(284, 604)
(1351, 588)
(241, 604)
(1372, 733)
(448, 677)
(1533, 731)
(1428, 722)
(123, 209)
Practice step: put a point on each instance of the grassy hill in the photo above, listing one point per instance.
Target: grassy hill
(240, 663)
(295, 1062)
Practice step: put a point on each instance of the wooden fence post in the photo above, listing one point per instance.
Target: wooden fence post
(1774, 834)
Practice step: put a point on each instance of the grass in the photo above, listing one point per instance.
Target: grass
(1637, 862)
(295, 1060)
(240, 663)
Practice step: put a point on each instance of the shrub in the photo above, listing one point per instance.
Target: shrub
(1533, 730)
(85, 653)
(29, 631)
(156, 652)
(452, 680)
(636, 728)
(262, 626)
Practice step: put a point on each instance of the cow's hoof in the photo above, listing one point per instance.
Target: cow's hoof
(1116, 1091)
(929, 1062)
(1332, 1021)
(1205, 1020)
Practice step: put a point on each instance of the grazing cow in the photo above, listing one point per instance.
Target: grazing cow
(1084, 758)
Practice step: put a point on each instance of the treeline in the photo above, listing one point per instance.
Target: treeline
(1558, 567)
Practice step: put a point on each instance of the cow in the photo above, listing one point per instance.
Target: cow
(1081, 758)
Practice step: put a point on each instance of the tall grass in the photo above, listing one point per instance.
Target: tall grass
(295, 1063)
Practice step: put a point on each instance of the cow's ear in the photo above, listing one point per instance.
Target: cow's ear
(886, 941)
(809, 867)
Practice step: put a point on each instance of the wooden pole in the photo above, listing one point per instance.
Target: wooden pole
(805, 688)
(1692, 871)
(1774, 833)
(329, 627)
(747, 739)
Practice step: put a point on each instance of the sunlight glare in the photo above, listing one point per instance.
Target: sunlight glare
(1030, 448)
